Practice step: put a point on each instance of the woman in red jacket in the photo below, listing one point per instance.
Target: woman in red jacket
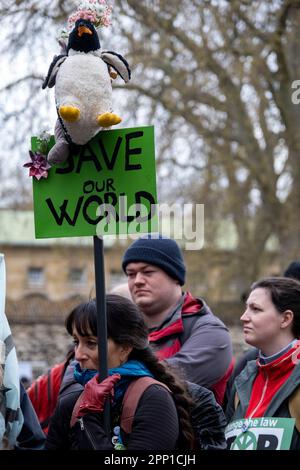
(269, 386)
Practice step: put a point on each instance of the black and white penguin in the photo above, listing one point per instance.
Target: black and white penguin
(83, 90)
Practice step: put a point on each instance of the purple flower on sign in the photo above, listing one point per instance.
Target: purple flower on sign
(38, 166)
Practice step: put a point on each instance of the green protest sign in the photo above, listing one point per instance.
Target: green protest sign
(266, 433)
(107, 187)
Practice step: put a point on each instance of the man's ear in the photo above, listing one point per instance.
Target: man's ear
(287, 318)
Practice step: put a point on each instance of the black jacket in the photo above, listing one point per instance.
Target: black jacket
(155, 426)
(208, 419)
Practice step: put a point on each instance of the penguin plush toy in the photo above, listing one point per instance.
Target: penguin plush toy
(82, 77)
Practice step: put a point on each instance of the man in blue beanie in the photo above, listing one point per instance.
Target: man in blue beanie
(182, 329)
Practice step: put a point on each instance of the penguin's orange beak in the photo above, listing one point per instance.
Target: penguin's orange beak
(83, 30)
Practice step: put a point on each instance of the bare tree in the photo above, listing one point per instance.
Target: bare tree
(215, 77)
(222, 71)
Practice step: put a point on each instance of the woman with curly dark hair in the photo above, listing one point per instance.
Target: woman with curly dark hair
(162, 415)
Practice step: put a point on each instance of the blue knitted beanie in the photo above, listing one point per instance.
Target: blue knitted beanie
(159, 251)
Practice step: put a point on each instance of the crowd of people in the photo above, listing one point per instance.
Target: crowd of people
(172, 380)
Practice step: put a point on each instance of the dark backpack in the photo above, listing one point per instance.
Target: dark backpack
(208, 419)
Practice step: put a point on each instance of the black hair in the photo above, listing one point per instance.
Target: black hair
(285, 295)
(126, 326)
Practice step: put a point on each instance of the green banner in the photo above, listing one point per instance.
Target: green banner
(108, 187)
(266, 433)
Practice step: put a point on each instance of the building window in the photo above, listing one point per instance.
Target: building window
(77, 276)
(35, 277)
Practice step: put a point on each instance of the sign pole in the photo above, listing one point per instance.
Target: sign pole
(101, 320)
(115, 168)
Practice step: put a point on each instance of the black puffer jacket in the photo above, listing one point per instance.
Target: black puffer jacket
(208, 419)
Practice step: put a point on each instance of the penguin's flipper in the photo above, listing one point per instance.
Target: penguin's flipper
(60, 151)
(63, 46)
(118, 63)
(53, 69)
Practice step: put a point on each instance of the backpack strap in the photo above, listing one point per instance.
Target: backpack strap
(131, 400)
(294, 407)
